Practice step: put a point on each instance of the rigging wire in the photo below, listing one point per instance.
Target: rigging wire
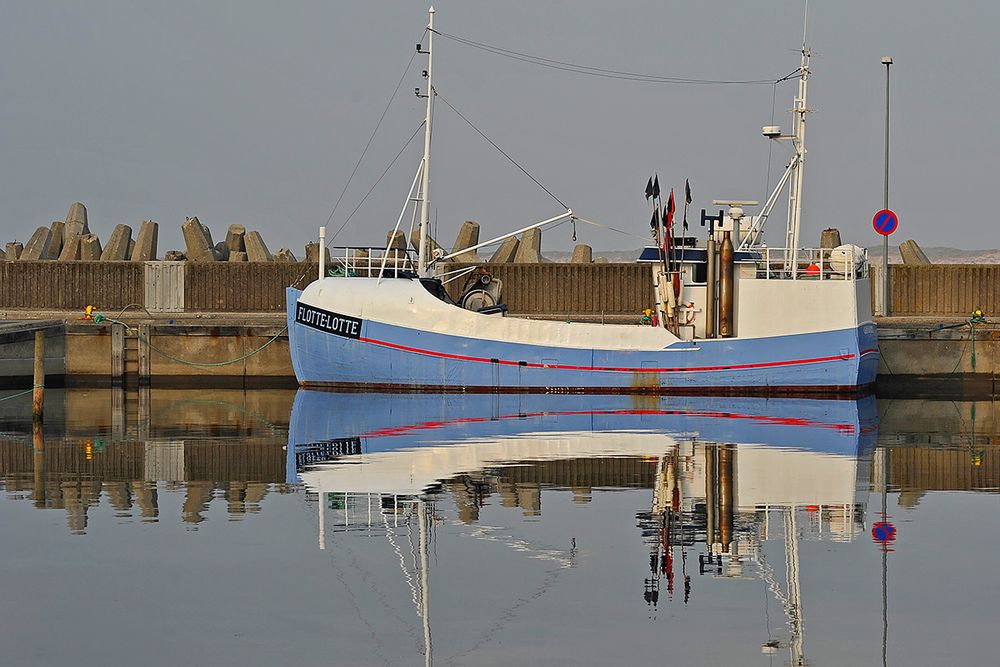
(502, 151)
(375, 184)
(601, 71)
(381, 118)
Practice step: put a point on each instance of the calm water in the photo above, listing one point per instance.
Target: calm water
(275, 527)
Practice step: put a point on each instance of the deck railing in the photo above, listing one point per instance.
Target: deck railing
(844, 263)
(369, 262)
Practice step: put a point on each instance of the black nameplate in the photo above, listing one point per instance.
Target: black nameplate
(327, 450)
(324, 320)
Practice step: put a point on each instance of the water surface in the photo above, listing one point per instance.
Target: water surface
(282, 527)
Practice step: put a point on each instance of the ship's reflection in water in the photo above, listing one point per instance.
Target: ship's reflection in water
(723, 475)
(397, 529)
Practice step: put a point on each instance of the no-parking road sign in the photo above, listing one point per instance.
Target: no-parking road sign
(885, 222)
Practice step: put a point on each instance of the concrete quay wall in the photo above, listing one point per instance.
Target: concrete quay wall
(551, 289)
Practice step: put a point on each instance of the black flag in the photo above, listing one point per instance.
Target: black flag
(656, 187)
(687, 200)
(649, 188)
(652, 222)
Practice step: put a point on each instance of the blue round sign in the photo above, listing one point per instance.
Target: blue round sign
(885, 222)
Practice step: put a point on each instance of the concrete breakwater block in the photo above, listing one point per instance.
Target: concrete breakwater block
(118, 244)
(71, 241)
(75, 227)
(198, 244)
(174, 256)
(145, 242)
(55, 239)
(468, 236)
(78, 216)
(432, 245)
(238, 256)
(913, 254)
(3, 255)
(208, 233)
(14, 250)
(71, 249)
(582, 254)
(530, 250)
(221, 251)
(90, 248)
(507, 251)
(395, 240)
(256, 248)
(37, 245)
(312, 253)
(284, 255)
(236, 238)
(830, 238)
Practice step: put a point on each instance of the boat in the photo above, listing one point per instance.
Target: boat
(728, 314)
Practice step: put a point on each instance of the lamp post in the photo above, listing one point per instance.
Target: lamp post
(887, 61)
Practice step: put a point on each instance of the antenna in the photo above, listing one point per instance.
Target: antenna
(425, 181)
(805, 25)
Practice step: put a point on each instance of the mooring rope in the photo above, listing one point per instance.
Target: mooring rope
(22, 393)
(100, 319)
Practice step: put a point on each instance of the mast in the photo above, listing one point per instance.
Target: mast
(799, 111)
(425, 180)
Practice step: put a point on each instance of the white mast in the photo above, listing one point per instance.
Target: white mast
(425, 181)
(799, 111)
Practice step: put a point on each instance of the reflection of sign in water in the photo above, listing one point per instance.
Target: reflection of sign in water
(883, 532)
(327, 450)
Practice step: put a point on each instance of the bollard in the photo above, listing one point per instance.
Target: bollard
(38, 395)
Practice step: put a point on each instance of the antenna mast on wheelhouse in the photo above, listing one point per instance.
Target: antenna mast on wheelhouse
(798, 138)
(425, 178)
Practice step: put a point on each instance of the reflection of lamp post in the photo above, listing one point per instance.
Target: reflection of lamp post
(886, 60)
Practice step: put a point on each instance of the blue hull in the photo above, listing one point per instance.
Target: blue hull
(390, 357)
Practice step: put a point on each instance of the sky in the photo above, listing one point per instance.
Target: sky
(256, 113)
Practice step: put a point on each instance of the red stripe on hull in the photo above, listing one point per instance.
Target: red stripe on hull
(507, 362)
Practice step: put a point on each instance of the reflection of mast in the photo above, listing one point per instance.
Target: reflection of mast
(424, 594)
(664, 517)
(794, 586)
